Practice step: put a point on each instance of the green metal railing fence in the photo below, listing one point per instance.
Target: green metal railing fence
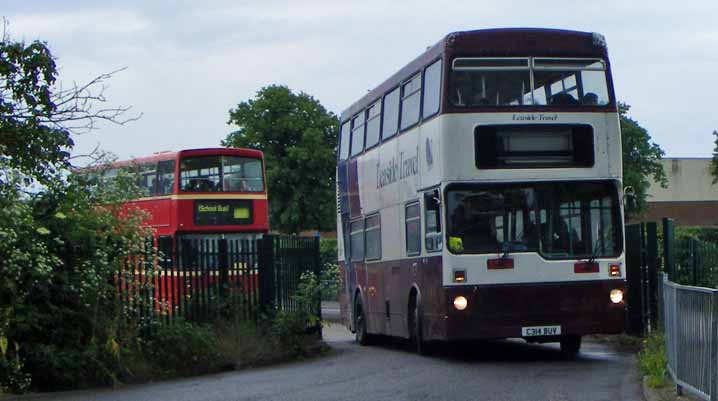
(689, 311)
(215, 278)
(689, 260)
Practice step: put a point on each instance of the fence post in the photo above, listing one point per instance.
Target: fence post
(318, 273)
(694, 260)
(223, 261)
(266, 274)
(634, 298)
(713, 372)
(679, 388)
(652, 266)
(669, 261)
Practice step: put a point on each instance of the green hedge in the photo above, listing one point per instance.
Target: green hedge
(329, 278)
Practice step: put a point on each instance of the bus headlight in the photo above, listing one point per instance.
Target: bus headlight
(460, 303)
(616, 296)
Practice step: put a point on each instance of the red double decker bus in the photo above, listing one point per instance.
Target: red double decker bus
(202, 194)
(196, 201)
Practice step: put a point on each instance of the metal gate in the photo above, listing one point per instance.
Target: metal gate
(642, 264)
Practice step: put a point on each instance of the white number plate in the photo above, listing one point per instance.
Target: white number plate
(541, 331)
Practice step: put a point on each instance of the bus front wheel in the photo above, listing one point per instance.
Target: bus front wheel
(570, 345)
(416, 330)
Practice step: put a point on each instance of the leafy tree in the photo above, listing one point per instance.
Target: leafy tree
(61, 237)
(37, 118)
(714, 161)
(641, 162)
(298, 138)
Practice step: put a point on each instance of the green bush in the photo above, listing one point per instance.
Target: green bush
(291, 326)
(708, 234)
(328, 251)
(329, 276)
(652, 359)
(703, 252)
(182, 348)
(60, 249)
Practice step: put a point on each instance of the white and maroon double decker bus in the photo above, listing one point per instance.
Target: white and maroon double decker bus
(479, 193)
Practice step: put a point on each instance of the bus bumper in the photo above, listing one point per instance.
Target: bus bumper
(502, 311)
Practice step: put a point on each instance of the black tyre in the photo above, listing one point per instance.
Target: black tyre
(422, 348)
(362, 337)
(570, 345)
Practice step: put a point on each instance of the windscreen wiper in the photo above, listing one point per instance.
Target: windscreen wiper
(594, 254)
(505, 246)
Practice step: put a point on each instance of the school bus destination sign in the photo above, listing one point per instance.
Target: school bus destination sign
(222, 212)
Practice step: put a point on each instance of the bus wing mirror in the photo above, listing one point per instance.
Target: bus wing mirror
(629, 197)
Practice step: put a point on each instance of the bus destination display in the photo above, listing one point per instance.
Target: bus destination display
(222, 212)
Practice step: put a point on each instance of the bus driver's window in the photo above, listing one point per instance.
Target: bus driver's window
(432, 208)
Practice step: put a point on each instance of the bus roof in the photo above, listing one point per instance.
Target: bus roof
(168, 155)
(502, 42)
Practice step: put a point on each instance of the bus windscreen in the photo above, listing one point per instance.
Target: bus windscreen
(558, 220)
(221, 174)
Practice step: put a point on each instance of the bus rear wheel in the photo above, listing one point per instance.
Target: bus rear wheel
(570, 345)
(362, 337)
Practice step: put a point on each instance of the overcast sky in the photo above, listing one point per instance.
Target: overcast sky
(189, 62)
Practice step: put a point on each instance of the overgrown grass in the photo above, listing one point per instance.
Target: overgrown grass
(652, 359)
(152, 350)
(244, 345)
(183, 348)
(187, 349)
(622, 342)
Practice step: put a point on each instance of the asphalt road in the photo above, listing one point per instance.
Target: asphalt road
(502, 370)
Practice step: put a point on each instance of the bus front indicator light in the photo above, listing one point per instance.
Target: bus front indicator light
(616, 296)
(460, 303)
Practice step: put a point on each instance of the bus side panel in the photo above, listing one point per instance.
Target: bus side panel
(157, 211)
(396, 293)
(161, 211)
(375, 291)
(396, 279)
(432, 298)
(388, 288)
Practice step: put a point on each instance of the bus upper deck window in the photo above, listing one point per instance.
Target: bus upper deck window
(357, 134)
(432, 89)
(373, 124)
(165, 177)
(570, 82)
(201, 174)
(390, 118)
(242, 174)
(410, 97)
(477, 82)
(490, 82)
(344, 145)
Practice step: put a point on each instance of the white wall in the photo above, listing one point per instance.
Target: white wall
(688, 180)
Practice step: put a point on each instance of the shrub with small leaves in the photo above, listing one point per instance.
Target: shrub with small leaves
(291, 326)
(652, 359)
(182, 348)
